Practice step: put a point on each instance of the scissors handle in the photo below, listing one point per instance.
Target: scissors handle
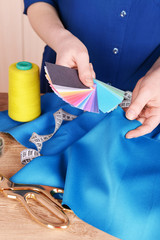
(24, 196)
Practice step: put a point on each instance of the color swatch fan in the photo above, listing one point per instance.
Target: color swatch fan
(66, 84)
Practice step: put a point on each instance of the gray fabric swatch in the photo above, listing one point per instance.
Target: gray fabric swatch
(64, 76)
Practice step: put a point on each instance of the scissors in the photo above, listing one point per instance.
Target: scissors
(43, 195)
(1, 145)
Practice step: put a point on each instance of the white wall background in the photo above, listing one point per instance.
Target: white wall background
(18, 42)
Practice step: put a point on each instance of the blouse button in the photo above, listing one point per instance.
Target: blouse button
(123, 13)
(115, 50)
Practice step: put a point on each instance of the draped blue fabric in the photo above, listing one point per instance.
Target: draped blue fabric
(109, 181)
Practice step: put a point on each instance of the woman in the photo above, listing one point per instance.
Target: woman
(120, 38)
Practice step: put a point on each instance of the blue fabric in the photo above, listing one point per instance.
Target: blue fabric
(99, 25)
(109, 181)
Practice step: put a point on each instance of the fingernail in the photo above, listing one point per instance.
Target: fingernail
(89, 80)
(130, 114)
(129, 136)
(93, 75)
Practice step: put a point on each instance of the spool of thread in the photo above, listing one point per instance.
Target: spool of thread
(24, 92)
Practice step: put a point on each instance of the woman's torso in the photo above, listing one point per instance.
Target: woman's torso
(122, 37)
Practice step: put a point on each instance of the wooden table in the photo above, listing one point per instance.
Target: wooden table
(15, 223)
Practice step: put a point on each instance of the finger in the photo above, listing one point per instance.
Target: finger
(150, 111)
(92, 70)
(125, 109)
(65, 62)
(147, 127)
(136, 89)
(141, 119)
(84, 69)
(138, 103)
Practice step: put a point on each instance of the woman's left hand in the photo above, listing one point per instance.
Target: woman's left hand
(145, 105)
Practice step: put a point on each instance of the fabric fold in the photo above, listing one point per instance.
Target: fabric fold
(109, 181)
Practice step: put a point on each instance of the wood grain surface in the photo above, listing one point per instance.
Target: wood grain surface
(15, 223)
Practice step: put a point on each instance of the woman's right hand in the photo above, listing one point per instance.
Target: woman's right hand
(71, 52)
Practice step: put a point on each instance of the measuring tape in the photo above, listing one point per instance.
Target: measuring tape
(127, 100)
(1, 145)
(28, 155)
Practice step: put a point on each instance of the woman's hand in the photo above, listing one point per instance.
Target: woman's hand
(145, 105)
(71, 52)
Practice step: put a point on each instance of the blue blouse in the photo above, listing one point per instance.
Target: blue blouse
(122, 37)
